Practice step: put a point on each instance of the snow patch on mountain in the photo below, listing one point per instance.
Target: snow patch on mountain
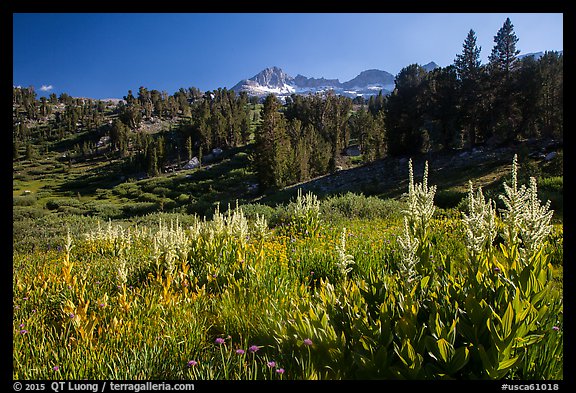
(275, 80)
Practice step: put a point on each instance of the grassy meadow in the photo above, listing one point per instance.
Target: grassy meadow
(348, 287)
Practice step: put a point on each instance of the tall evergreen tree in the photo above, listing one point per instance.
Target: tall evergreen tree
(468, 62)
(504, 54)
(119, 136)
(152, 160)
(551, 104)
(188, 147)
(405, 107)
(468, 70)
(272, 146)
(502, 63)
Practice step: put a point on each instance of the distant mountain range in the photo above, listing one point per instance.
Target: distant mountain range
(538, 55)
(274, 80)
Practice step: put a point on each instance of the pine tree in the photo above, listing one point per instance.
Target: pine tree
(404, 111)
(272, 146)
(502, 63)
(15, 148)
(550, 109)
(53, 99)
(188, 147)
(30, 151)
(468, 70)
(468, 63)
(152, 159)
(504, 53)
(119, 136)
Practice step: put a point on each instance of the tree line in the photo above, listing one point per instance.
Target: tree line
(463, 105)
(199, 122)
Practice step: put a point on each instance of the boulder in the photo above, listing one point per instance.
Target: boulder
(353, 151)
(193, 163)
(550, 156)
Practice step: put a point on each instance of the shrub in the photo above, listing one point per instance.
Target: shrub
(22, 212)
(251, 210)
(161, 191)
(72, 210)
(138, 208)
(154, 219)
(25, 200)
(104, 210)
(552, 184)
(149, 197)
(58, 203)
(446, 199)
(127, 190)
(352, 205)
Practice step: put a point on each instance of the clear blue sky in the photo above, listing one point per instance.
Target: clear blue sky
(104, 55)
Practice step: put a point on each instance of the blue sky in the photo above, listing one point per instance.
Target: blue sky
(103, 55)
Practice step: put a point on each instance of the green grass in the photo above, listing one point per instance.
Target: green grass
(185, 289)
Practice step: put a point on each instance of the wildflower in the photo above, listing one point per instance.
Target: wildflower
(21, 326)
(280, 371)
(219, 341)
(240, 351)
(479, 222)
(33, 311)
(23, 331)
(56, 368)
(344, 260)
(271, 364)
(101, 304)
(307, 342)
(253, 348)
(191, 363)
(420, 204)
(72, 316)
(25, 298)
(555, 328)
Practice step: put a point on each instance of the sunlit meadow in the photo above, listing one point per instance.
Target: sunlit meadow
(416, 295)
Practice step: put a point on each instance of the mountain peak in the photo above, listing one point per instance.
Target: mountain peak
(430, 66)
(272, 77)
(271, 80)
(371, 77)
